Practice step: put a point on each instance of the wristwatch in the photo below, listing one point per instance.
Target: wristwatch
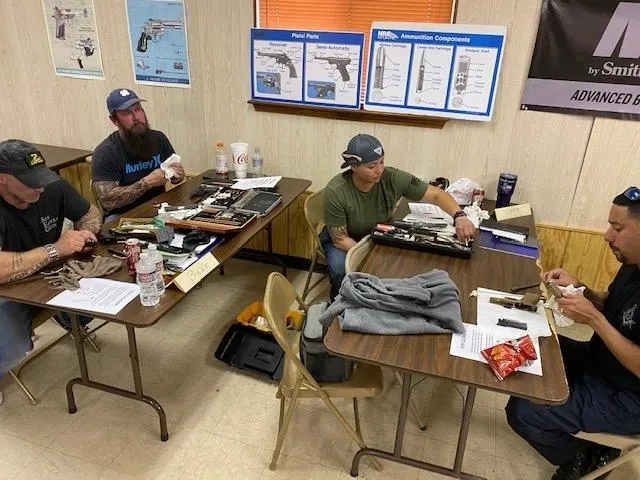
(51, 249)
(459, 213)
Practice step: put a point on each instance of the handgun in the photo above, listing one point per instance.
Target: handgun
(283, 59)
(528, 302)
(340, 63)
(62, 17)
(154, 30)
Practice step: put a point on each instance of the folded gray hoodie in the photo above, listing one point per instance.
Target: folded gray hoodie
(426, 303)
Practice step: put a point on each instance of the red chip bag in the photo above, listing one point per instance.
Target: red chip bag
(506, 357)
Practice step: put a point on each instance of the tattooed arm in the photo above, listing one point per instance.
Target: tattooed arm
(91, 221)
(340, 238)
(111, 195)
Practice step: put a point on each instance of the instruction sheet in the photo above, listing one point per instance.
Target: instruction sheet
(98, 295)
(444, 70)
(306, 67)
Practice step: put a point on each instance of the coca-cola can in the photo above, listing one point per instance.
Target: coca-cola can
(132, 250)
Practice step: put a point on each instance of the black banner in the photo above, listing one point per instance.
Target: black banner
(586, 59)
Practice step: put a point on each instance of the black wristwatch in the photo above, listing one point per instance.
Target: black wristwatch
(459, 213)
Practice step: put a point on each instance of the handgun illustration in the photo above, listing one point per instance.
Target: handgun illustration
(420, 83)
(463, 73)
(154, 30)
(63, 16)
(378, 76)
(340, 63)
(85, 48)
(283, 59)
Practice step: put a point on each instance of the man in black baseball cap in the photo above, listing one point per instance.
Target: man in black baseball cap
(34, 202)
(365, 195)
(604, 372)
(125, 167)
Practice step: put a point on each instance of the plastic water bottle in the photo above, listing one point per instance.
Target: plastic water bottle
(256, 162)
(156, 259)
(146, 280)
(222, 164)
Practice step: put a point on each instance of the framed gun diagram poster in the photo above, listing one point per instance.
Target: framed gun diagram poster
(306, 67)
(73, 38)
(158, 36)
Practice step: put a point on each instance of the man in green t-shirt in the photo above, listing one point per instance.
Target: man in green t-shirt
(359, 198)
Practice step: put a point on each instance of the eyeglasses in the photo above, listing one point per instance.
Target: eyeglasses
(632, 194)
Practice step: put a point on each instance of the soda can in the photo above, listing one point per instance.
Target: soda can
(132, 250)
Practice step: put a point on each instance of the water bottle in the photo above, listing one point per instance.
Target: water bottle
(256, 162)
(146, 280)
(156, 259)
(222, 165)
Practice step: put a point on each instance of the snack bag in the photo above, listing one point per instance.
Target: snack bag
(507, 357)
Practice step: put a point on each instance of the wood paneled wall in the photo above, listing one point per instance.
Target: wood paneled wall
(569, 166)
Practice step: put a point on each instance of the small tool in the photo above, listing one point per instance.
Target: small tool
(117, 253)
(507, 322)
(517, 288)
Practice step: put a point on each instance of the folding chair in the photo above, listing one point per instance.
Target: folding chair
(628, 444)
(297, 382)
(355, 258)
(315, 220)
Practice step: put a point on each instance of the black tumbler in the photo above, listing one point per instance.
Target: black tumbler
(506, 186)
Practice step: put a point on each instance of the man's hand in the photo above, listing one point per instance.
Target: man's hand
(156, 178)
(464, 229)
(579, 309)
(179, 169)
(73, 241)
(561, 277)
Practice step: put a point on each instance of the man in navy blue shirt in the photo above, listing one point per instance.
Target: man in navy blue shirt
(603, 373)
(125, 167)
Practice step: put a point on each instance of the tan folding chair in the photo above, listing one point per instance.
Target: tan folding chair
(355, 258)
(297, 382)
(313, 213)
(628, 444)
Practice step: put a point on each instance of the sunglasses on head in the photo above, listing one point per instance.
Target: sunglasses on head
(632, 194)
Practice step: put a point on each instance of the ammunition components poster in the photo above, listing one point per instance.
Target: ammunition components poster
(585, 59)
(306, 67)
(73, 38)
(158, 36)
(431, 69)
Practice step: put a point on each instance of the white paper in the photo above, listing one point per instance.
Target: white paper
(490, 313)
(183, 262)
(431, 211)
(476, 338)
(518, 237)
(259, 182)
(97, 295)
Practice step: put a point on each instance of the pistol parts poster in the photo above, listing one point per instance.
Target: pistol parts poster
(158, 35)
(434, 69)
(73, 38)
(306, 67)
(586, 59)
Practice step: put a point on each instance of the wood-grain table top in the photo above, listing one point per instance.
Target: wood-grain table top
(58, 158)
(38, 292)
(428, 354)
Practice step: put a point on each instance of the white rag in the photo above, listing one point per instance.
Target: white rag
(561, 320)
(165, 166)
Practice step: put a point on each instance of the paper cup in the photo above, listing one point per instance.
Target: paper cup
(240, 152)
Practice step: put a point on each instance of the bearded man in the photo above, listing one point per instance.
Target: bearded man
(126, 165)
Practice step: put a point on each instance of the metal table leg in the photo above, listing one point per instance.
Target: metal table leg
(396, 456)
(269, 229)
(137, 378)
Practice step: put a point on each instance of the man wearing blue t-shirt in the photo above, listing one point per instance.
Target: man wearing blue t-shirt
(126, 165)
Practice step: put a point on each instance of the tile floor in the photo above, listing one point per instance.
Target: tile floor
(223, 422)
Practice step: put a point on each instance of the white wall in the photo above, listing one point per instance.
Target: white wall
(569, 166)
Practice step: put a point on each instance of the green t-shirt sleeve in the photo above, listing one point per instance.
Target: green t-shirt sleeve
(334, 210)
(410, 186)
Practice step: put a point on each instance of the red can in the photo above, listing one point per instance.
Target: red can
(132, 249)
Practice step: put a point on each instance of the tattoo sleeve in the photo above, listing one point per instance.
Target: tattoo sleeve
(338, 234)
(111, 195)
(19, 265)
(91, 221)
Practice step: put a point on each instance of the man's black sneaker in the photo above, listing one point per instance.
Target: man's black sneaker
(573, 469)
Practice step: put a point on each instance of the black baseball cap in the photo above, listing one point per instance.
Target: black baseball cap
(23, 160)
(121, 99)
(362, 148)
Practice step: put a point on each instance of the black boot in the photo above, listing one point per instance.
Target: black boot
(573, 469)
(599, 457)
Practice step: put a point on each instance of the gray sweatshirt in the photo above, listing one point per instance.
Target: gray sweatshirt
(426, 303)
